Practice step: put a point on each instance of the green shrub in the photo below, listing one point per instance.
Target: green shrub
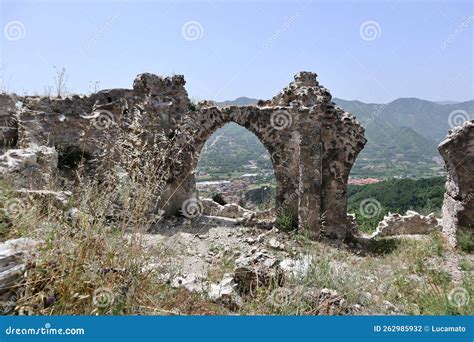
(192, 107)
(286, 222)
(217, 197)
(369, 224)
(465, 240)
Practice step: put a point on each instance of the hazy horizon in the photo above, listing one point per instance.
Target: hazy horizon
(398, 98)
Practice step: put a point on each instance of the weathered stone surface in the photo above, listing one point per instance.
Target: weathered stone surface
(256, 269)
(258, 219)
(225, 293)
(15, 160)
(329, 302)
(409, 224)
(8, 120)
(275, 244)
(297, 268)
(58, 198)
(14, 255)
(191, 282)
(31, 167)
(210, 207)
(233, 210)
(352, 226)
(457, 151)
(312, 142)
(230, 210)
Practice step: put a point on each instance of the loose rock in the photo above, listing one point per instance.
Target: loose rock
(409, 224)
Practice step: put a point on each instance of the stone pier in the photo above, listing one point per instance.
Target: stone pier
(457, 150)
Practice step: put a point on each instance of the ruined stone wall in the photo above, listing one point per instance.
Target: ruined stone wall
(312, 142)
(457, 151)
(8, 121)
(65, 122)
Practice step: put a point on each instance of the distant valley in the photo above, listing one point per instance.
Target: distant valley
(402, 140)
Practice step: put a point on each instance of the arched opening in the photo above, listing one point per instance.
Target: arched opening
(235, 167)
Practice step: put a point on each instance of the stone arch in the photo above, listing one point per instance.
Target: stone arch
(278, 144)
(313, 144)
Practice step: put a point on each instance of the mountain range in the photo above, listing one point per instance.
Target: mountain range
(402, 136)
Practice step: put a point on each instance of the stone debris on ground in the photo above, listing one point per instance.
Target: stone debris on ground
(191, 282)
(33, 167)
(15, 255)
(230, 210)
(297, 268)
(225, 293)
(258, 268)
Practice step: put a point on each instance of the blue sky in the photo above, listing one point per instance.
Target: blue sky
(373, 51)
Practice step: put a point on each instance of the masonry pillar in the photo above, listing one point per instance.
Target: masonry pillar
(457, 151)
(310, 174)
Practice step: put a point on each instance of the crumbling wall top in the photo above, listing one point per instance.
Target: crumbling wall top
(303, 91)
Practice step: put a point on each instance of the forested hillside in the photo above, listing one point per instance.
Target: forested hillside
(396, 196)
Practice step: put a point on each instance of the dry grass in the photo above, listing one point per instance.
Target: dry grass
(410, 279)
(87, 264)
